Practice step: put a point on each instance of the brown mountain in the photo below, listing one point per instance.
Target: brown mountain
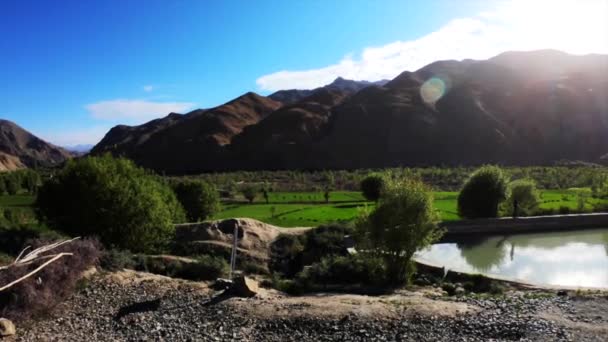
(20, 149)
(191, 142)
(518, 108)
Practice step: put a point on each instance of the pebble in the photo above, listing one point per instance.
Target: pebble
(184, 316)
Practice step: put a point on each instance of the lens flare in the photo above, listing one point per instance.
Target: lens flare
(432, 90)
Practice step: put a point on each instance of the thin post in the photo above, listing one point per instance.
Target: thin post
(234, 246)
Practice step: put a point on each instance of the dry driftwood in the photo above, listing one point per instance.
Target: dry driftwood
(34, 256)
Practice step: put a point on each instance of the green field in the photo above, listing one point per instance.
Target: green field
(308, 209)
(345, 206)
(21, 207)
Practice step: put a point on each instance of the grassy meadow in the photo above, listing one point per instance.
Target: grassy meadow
(309, 209)
(283, 210)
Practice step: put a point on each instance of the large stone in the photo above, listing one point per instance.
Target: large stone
(244, 287)
(7, 328)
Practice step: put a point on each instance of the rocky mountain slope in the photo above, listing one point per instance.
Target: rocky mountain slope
(20, 149)
(519, 108)
(191, 142)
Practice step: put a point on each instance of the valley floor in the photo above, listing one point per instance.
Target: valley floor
(187, 312)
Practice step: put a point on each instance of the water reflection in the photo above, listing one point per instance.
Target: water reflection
(563, 258)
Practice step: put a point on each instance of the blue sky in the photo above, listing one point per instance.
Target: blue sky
(70, 70)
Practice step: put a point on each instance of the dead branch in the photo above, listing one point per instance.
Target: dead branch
(33, 256)
(40, 268)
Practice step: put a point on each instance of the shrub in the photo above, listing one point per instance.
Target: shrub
(525, 195)
(200, 200)
(325, 241)
(371, 186)
(289, 253)
(116, 260)
(286, 255)
(355, 269)
(403, 223)
(482, 193)
(123, 205)
(250, 192)
(38, 295)
(206, 267)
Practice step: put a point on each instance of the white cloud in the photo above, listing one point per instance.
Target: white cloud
(577, 27)
(148, 88)
(134, 111)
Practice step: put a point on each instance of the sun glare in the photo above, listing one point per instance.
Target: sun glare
(573, 26)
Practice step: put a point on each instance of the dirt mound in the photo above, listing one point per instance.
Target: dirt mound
(254, 237)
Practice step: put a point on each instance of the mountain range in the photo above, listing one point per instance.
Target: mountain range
(518, 108)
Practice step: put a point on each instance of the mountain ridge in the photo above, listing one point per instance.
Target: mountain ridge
(517, 108)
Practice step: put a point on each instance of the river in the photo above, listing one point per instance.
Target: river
(572, 258)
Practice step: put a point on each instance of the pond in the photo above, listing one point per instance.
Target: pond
(572, 258)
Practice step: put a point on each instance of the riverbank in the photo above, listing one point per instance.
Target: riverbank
(186, 313)
(534, 224)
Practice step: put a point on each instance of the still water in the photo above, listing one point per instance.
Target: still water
(577, 258)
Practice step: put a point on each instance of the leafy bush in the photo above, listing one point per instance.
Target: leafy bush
(123, 205)
(356, 269)
(523, 194)
(371, 186)
(200, 200)
(403, 223)
(286, 255)
(290, 253)
(482, 193)
(205, 267)
(250, 192)
(325, 241)
(38, 295)
(116, 260)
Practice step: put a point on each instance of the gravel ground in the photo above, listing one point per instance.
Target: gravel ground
(184, 313)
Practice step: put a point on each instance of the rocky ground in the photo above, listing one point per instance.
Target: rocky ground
(129, 306)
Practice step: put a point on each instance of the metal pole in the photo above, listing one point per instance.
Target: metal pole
(233, 256)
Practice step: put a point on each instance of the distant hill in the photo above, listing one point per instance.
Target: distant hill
(79, 149)
(21, 149)
(518, 108)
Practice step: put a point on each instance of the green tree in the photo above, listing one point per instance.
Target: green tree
(12, 183)
(371, 186)
(525, 196)
(482, 193)
(403, 223)
(200, 199)
(250, 192)
(266, 188)
(2, 185)
(30, 181)
(125, 206)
